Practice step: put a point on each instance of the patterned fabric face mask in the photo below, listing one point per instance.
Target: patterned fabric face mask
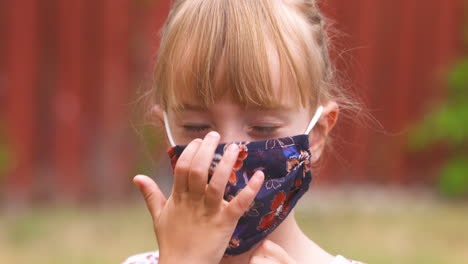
(285, 163)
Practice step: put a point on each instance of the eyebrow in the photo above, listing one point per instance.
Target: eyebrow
(272, 107)
(194, 107)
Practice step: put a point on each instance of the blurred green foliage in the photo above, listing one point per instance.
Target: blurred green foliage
(448, 124)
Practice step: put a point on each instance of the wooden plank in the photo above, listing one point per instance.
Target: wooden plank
(366, 49)
(114, 98)
(44, 179)
(67, 102)
(3, 30)
(92, 83)
(330, 169)
(425, 80)
(399, 95)
(357, 27)
(21, 76)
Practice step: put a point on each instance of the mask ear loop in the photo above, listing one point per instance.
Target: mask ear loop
(168, 129)
(314, 120)
(311, 125)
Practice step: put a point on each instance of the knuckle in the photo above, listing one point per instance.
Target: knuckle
(248, 192)
(230, 159)
(197, 171)
(229, 155)
(242, 205)
(268, 245)
(211, 203)
(177, 198)
(222, 169)
(261, 247)
(196, 198)
(256, 259)
(148, 195)
(181, 167)
(214, 189)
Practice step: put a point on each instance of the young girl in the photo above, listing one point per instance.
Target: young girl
(256, 73)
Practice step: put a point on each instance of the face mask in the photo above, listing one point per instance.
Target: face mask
(285, 163)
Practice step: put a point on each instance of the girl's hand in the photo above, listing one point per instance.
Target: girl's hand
(195, 224)
(269, 253)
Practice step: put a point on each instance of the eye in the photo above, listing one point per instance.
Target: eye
(265, 129)
(196, 128)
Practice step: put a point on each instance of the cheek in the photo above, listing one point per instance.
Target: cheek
(299, 125)
(317, 144)
(314, 139)
(181, 137)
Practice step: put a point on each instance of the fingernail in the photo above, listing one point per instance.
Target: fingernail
(213, 134)
(259, 176)
(137, 176)
(233, 147)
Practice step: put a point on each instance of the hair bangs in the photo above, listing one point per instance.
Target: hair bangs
(243, 49)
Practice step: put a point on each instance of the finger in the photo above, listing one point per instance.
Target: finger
(154, 198)
(261, 260)
(242, 201)
(182, 167)
(273, 251)
(198, 175)
(215, 190)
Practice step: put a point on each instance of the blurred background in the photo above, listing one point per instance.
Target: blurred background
(72, 134)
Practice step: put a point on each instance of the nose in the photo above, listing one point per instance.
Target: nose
(233, 135)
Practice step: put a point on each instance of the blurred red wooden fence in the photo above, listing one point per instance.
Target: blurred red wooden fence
(68, 70)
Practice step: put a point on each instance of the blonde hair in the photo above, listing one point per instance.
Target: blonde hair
(210, 48)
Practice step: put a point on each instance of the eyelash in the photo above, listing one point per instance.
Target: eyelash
(196, 128)
(257, 129)
(265, 129)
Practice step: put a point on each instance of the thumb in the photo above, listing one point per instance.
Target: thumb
(154, 198)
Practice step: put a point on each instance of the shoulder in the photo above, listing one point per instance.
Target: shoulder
(143, 258)
(342, 260)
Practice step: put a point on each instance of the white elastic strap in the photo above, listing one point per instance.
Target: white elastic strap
(314, 120)
(168, 129)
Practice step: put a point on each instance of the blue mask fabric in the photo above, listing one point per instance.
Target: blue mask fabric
(286, 165)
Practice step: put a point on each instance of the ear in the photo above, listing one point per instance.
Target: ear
(157, 115)
(324, 125)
